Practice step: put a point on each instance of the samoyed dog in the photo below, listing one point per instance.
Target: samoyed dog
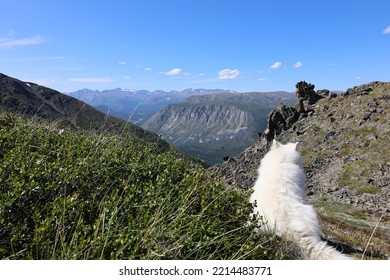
(281, 200)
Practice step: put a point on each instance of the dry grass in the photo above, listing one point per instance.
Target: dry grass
(364, 239)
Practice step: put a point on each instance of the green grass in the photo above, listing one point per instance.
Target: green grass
(353, 227)
(339, 209)
(352, 178)
(78, 195)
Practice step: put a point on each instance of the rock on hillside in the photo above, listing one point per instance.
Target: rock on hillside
(216, 125)
(33, 100)
(344, 140)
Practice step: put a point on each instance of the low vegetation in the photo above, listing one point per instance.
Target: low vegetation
(78, 195)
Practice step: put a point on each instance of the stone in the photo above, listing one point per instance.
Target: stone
(299, 107)
(306, 91)
(280, 119)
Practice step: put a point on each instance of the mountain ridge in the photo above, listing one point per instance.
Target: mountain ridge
(136, 105)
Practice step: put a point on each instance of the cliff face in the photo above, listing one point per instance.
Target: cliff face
(199, 120)
(205, 131)
(344, 140)
(214, 126)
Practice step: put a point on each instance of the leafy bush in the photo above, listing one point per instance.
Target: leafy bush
(78, 195)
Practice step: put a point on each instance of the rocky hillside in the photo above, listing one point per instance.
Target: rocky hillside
(344, 140)
(215, 125)
(33, 100)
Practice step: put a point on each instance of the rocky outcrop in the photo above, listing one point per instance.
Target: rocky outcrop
(363, 89)
(279, 120)
(283, 117)
(306, 92)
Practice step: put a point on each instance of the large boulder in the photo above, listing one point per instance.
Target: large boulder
(306, 92)
(279, 120)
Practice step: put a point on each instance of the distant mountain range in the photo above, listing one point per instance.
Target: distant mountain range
(33, 100)
(213, 126)
(205, 123)
(135, 106)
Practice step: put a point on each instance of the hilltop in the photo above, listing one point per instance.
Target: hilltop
(344, 140)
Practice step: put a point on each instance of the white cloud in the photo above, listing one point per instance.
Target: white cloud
(91, 80)
(358, 78)
(228, 74)
(387, 30)
(122, 62)
(277, 65)
(298, 64)
(148, 69)
(262, 79)
(173, 72)
(8, 42)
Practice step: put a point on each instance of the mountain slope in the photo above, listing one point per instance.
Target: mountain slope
(33, 100)
(344, 140)
(215, 125)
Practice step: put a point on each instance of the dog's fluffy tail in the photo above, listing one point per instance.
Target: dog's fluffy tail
(315, 249)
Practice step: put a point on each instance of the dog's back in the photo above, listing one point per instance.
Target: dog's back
(281, 201)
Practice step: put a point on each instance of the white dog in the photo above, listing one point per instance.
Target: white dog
(281, 201)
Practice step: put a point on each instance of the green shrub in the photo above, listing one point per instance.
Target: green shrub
(77, 195)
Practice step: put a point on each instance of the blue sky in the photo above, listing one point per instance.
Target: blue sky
(242, 45)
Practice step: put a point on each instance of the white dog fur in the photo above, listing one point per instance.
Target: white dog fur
(281, 200)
